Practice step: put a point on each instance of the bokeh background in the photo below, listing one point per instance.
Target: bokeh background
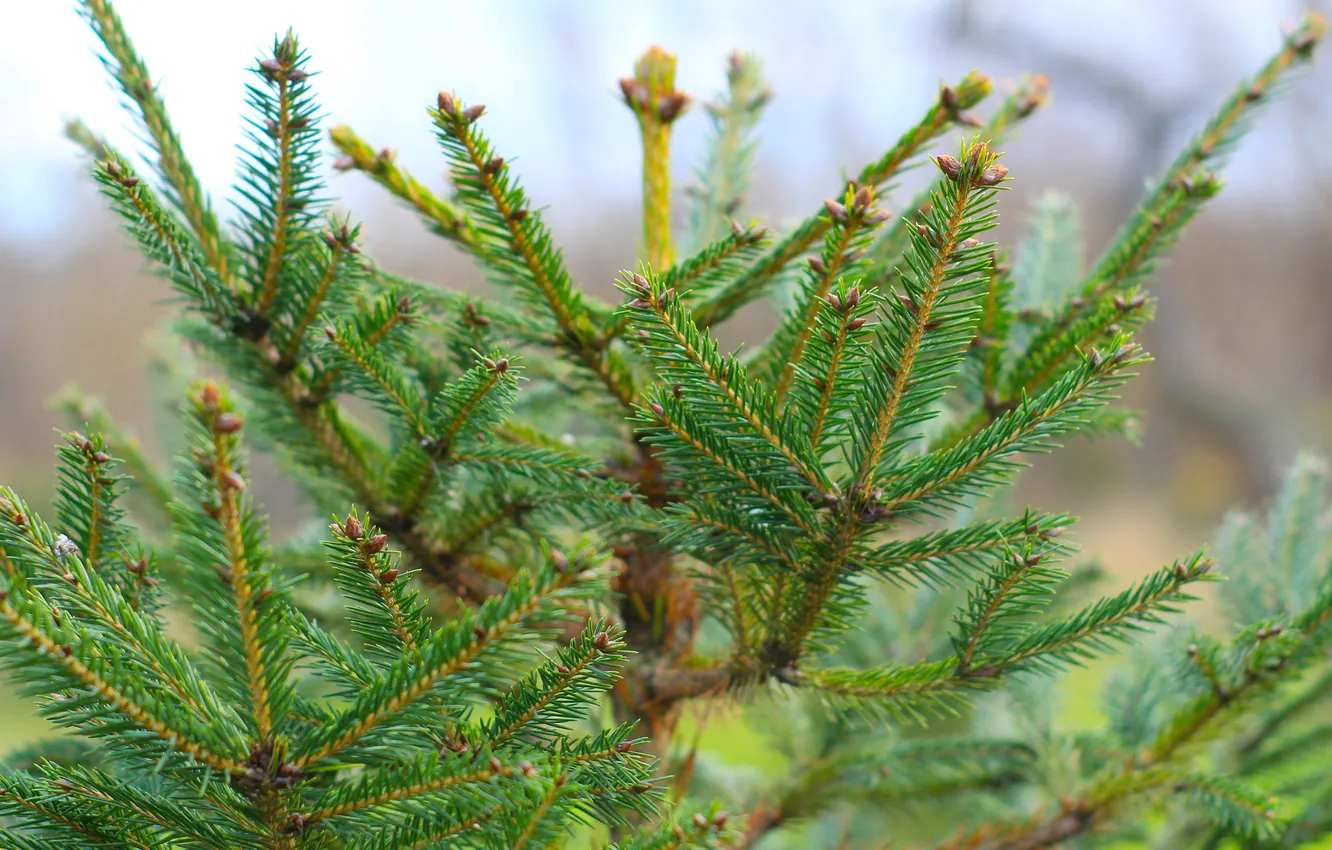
(1242, 379)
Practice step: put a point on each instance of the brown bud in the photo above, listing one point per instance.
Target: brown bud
(272, 129)
(232, 479)
(448, 104)
(835, 301)
(130, 181)
(1054, 532)
(352, 527)
(624, 746)
(100, 457)
(495, 766)
(642, 283)
(559, 560)
(562, 669)
(699, 820)
(852, 298)
(601, 641)
(376, 544)
(227, 423)
(949, 166)
(992, 176)
(389, 576)
(635, 93)
(478, 633)
(863, 198)
(527, 768)
(836, 210)
(1193, 649)
(948, 98)
(494, 164)
(210, 394)
(1137, 301)
(719, 819)
(1120, 303)
(856, 324)
(657, 409)
(518, 215)
(344, 163)
(473, 112)
(627, 498)
(878, 217)
(967, 243)
(270, 67)
(671, 106)
(641, 788)
(331, 332)
(968, 119)
(817, 265)
(1275, 630)
(69, 577)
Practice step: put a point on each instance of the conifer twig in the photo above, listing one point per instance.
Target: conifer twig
(440, 215)
(950, 108)
(651, 94)
(134, 80)
(525, 255)
(724, 176)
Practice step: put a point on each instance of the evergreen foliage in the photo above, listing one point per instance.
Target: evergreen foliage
(496, 643)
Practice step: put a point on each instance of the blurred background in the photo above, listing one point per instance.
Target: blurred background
(1242, 340)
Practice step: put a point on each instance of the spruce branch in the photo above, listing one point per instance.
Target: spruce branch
(933, 316)
(162, 240)
(949, 109)
(724, 176)
(560, 692)
(852, 220)
(383, 610)
(278, 175)
(122, 62)
(89, 412)
(1153, 228)
(439, 214)
(1029, 95)
(650, 94)
(521, 248)
(826, 391)
(497, 627)
(943, 557)
(711, 386)
(1148, 232)
(86, 500)
(222, 542)
(945, 475)
(108, 658)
